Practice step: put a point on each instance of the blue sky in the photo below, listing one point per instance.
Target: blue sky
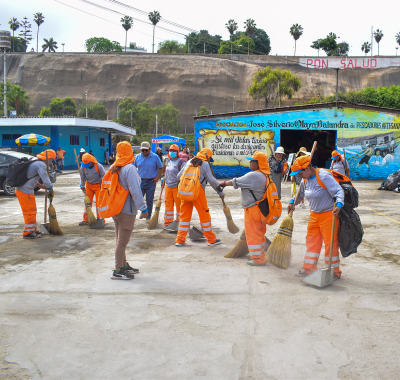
(351, 20)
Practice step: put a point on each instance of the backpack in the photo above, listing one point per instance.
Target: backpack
(279, 167)
(18, 171)
(189, 184)
(112, 196)
(351, 230)
(270, 205)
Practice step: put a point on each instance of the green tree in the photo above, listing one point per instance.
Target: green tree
(378, 36)
(14, 25)
(168, 118)
(144, 118)
(18, 44)
(198, 42)
(16, 96)
(232, 27)
(316, 45)
(341, 49)
(49, 44)
(265, 85)
(69, 107)
(171, 46)
(203, 111)
(102, 45)
(262, 44)
(239, 46)
(296, 31)
(25, 32)
(154, 17)
(397, 36)
(45, 112)
(250, 27)
(39, 20)
(330, 46)
(366, 47)
(127, 108)
(96, 111)
(59, 107)
(127, 23)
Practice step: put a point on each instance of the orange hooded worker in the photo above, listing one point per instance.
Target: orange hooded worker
(200, 203)
(91, 173)
(26, 193)
(339, 164)
(174, 166)
(254, 186)
(322, 191)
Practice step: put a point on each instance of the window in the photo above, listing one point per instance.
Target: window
(87, 140)
(102, 142)
(9, 140)
(74, 139)
(3, 158)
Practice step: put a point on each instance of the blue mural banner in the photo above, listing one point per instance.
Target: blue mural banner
(369, 138)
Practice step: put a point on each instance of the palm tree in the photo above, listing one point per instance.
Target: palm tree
(49, 44)
(154, 17)
(16, 94)
(250, 27)
(296, 31)
(127, 23)
(14, 25)
(39, 19)
(366, 47)
(397, 36)
(232, 27)
(378, 36)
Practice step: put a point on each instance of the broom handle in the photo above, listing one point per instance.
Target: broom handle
(45, 199)
(298, 191)
(79, 169)
(332, 239)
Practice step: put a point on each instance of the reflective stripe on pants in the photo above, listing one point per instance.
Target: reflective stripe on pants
(171, 199)
(28, 207)
(186, 215)
(255, 233)
(92, 190)
(318, 231)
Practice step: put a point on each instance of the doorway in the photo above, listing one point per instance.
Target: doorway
(293, 139)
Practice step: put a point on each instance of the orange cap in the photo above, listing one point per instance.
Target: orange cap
(50, 154)
(88, 158)
(335, 154)
(300, 164)
(262, 159)
(174, 147)
(124, 155)
(202, 154)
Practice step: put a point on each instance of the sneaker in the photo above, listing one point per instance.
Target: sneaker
(180, 244)
(122, 275)
(215, 243)
(128, 268)
(83, 223)
(32, 235)
(254, 264)
(39, 234)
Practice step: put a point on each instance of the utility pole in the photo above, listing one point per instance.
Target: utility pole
(5, 43)
(132, 119)
(372, 40)
(86, 106)
(154, 29)
(156, 125)
(118, 109)
(5, 83)
(279, 98)
(63, 44)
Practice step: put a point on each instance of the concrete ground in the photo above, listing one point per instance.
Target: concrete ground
(192, 313)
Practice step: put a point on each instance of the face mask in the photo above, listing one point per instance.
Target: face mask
(172, 154)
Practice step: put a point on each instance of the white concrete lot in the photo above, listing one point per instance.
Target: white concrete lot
(191, 313)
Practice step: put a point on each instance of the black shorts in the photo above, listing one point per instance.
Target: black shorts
(365, 160)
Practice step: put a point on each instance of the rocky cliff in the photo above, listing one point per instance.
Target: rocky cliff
(186, 81)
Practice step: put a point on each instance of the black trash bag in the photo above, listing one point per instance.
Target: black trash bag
(350, 197)
(392, 182)
(350, 231)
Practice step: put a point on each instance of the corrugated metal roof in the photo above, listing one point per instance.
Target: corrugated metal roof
(300, 108)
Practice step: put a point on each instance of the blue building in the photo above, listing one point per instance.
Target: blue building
(65, 132)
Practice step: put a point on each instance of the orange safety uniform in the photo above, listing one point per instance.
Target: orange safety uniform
(26, 192)
(320, 190)
(91, 177)
(171, 187)
(255, 233)
(200, 203)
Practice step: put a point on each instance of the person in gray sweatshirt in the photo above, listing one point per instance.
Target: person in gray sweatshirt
(125, 220)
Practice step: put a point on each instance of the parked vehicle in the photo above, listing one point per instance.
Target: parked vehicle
(6, 158)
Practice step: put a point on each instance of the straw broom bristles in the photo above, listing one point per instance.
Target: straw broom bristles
(280, 251)
(154, 219)
(54, 227)
(232, 228)
(91, 218)
(240, 249)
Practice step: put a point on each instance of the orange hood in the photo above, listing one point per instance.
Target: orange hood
(124, 155)
(50, 154)
(203, 152)
(263, 164)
